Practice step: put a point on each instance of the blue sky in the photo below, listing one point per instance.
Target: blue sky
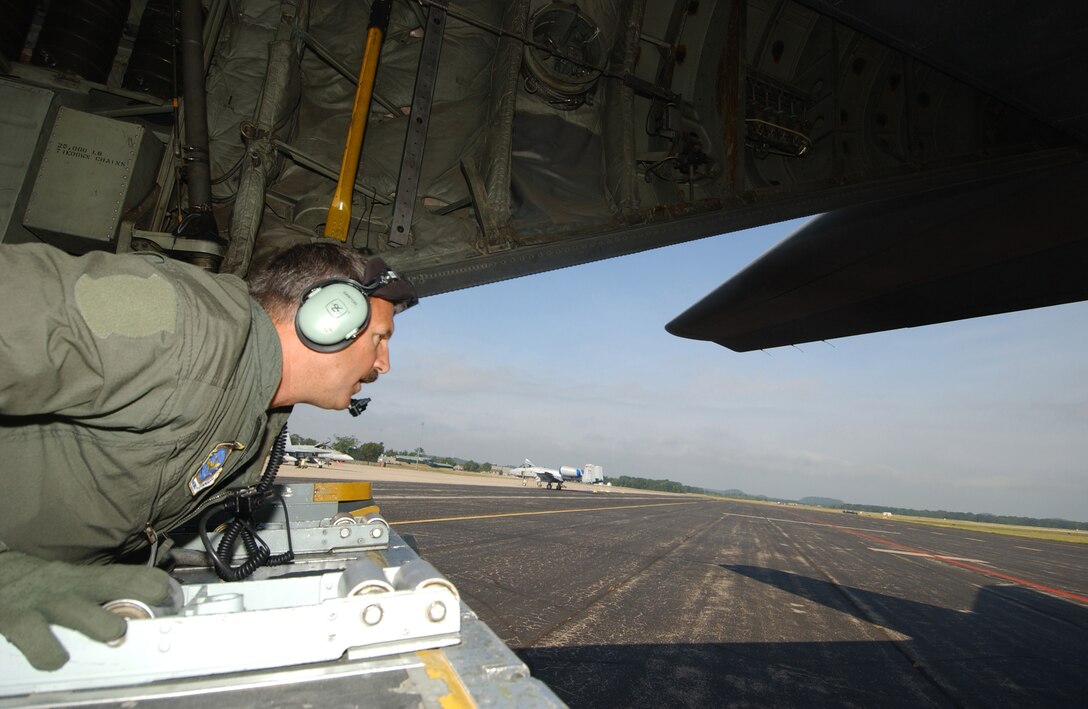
(574, 366)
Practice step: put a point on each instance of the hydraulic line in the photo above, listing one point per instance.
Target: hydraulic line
(197, 170)
(199, 222)
(339, 217)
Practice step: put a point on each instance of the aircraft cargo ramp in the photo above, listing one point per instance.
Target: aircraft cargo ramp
(357, 619)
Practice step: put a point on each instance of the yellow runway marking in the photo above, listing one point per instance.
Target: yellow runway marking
(539, 512)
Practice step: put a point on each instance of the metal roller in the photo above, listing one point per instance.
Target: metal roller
(362, 577)
(372, 519)
(132, 609)
(418, 574)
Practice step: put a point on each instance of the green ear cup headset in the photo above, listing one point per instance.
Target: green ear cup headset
(333, 312)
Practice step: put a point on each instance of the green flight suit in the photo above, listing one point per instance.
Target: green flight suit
(124, 381)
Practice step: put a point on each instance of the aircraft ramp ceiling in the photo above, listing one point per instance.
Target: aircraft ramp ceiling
(563, 133)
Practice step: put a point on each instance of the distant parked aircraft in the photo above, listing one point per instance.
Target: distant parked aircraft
(550, 476)
(299, 452)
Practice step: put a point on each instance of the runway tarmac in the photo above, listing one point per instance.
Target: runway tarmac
(625, 600)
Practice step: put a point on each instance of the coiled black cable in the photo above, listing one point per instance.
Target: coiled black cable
(242, 504)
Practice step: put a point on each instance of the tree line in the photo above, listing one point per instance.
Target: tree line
(648, 484)
(371, 451)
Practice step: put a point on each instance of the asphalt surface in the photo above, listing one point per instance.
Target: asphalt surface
(645, 600)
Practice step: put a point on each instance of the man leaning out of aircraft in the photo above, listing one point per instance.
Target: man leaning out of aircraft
(134, 388)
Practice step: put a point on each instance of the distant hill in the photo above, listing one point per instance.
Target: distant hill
(1052, 523)
(832, 502)
(731, 492)
(741, 495)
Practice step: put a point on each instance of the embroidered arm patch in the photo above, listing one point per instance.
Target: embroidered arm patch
(210, 469)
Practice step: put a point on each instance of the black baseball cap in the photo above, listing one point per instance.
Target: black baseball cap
(380, 281)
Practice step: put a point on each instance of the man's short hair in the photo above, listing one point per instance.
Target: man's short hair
(281, 283)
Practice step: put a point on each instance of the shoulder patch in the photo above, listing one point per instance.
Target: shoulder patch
(126, 305)
(210, 469)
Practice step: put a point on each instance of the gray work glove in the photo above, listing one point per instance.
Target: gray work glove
(35, 593)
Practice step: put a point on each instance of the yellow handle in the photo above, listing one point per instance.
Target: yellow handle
(339, 219)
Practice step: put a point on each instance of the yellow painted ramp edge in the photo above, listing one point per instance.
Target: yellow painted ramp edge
(438, 667)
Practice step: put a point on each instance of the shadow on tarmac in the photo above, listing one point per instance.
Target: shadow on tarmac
(1016, 647)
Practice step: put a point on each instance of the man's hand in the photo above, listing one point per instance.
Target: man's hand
(35, 593)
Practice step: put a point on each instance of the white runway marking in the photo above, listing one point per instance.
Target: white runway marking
(932, 556)
(800, 521)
